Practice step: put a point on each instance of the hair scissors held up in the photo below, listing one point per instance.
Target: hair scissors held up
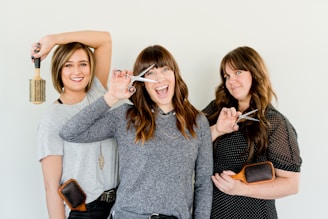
(139, 77)
(245, 116)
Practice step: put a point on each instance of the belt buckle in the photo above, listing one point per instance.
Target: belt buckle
(108, 196)
(154, 215)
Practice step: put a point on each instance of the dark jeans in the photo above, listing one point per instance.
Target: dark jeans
(95, 210)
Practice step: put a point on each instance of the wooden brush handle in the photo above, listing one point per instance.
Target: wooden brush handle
(37, 64)
(241, 175)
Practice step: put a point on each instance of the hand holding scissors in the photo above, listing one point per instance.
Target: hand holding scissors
(139, 77)
(245, 116)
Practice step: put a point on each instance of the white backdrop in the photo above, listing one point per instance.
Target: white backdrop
(290, 35)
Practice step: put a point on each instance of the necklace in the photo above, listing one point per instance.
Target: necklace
(101, 158)
(71, 101)
(169, 135)
(161, 129)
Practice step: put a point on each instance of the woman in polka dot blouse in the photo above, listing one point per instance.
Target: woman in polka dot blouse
(245, 87)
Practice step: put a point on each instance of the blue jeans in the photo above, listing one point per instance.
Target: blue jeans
(95, 210)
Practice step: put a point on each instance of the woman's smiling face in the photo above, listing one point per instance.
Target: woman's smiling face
(76, 71)
(162, 91)
(238, 83)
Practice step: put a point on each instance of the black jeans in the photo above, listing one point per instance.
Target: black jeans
(95, 210)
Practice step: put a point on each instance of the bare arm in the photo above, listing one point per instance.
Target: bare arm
(286, 183)
(52, 170)
(100, 41)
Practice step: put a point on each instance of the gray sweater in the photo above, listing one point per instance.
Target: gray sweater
(169, 174)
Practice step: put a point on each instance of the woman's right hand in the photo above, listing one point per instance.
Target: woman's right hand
(42, 48)
(118, 87)
(226, 122)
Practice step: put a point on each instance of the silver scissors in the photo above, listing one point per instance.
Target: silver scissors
(139, 77)
(245, 116)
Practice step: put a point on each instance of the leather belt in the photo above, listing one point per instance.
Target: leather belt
(108, 196)
(162, 216)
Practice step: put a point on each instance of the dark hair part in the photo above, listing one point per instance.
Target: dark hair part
(142, 116)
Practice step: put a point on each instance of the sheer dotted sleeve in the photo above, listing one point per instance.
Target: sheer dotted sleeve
(209, 110)
(283, 149)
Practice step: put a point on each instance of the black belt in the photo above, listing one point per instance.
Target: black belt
(162, 216)
(108, 196)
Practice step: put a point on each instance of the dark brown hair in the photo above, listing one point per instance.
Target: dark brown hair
(142, 116)
(247, 59)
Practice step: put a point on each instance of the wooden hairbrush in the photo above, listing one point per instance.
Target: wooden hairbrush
(256, 173)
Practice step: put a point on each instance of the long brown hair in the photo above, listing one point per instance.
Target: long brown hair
(247, 59)
(60, 57)
(142, 116)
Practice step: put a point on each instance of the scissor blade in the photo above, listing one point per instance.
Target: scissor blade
(250, 118)
(146, 70)
(246, 114)
(144, 79)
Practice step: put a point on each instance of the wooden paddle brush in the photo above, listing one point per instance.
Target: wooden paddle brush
(256, 173)
(37, 85)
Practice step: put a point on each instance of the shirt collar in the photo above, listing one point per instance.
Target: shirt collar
(162, 113)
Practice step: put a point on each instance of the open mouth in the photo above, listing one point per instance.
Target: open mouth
(162, 90)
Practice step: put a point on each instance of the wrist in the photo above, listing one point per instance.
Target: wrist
(215, 132)
(218, 131)
(110, 100)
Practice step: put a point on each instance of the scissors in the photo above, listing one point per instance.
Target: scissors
(245, 116)
(139, 77)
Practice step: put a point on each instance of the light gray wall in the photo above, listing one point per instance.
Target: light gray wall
(291, 36)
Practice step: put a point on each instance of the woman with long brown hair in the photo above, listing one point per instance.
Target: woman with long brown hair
(164, 141)
(245, 86)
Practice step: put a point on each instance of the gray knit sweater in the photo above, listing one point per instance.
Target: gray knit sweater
(156, 177)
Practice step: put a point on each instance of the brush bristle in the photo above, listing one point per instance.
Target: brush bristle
(260, 172)
(37, 91)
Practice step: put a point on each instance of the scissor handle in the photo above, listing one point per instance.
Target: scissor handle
(132, 89)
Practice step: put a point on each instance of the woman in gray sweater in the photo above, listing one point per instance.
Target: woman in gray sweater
(164, 142)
